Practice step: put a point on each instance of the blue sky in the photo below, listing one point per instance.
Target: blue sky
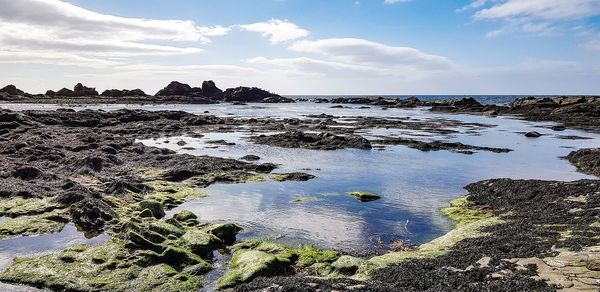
(306, 47)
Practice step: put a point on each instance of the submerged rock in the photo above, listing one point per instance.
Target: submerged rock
(321, 141)
(365, 196)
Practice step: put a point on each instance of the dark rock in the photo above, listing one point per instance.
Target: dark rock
(438, 145)
(294, 176)
(250, 158)
(124, 93)
(50, 93)
(586, 160)
(65, 92)
(322, 141)
(81, 90)
(210, 89)
(176, 88)
(247, 94)
(533, 134)
(27, 173)
(12, 90)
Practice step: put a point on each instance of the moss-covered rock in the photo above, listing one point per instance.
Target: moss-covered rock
(49, 222)
(200, 243)
(226, 232)
(365, 196)
(17, 206)
(184, 215)
(154, 206)
(249, 264)
(303, 200)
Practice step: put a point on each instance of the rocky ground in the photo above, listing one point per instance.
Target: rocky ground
(85, 167)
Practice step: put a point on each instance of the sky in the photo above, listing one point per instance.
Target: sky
(305, 47)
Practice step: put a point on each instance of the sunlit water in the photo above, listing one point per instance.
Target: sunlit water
(414, 185)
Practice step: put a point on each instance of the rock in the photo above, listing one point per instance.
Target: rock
(250, 158)
(27, 173)
(365, 196)
(50, 93)
(65, 92)
(249, 264)
(533, 134)
(124, 93)
(200, 243)
(12, 90)
(184, 215)
(146, 213)
(586, 160)
(180, 89)
(247, 94)
(226, 232)
(210, 89)
(294, 176)
(348, 265)
(322, 141)
(465, 102)
(154, 206)
(81, 90)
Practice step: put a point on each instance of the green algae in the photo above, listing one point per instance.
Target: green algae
(263, 258)
(172, 193)
(365, 196)
(49, 222)
(303, 200)
(17, 206)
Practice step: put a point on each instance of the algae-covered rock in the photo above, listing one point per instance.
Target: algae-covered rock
(154, 206)
(184, 215)
(302, 200)
(109, 267)
(365, 196)
(166, 229)
(348, 265)
(249, 264)
(17, 206)
(200, 243)
(31, 225)
(226, 232)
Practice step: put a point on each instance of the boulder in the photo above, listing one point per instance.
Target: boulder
(50, 93)
(65, 92)
(80, 90)
(248, 94)
(210, 89)
(123, 93)
(533, 134)
(12, 90)
(154, 206)
(176, 88)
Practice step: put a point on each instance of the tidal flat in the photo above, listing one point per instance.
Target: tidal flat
(299, 196)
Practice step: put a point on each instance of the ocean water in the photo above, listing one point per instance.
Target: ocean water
(484, 99)
(414, 185)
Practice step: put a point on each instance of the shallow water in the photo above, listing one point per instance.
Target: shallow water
(414, 184)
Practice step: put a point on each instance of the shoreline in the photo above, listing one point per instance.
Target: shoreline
(149, 180)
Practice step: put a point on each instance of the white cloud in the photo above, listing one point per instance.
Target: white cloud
(544, 9)
(277, 30)
(56, 31)
(473, 5)
(361, 51)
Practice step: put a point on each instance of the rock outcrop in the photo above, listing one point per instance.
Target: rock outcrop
(176, 88)
(124, 93)
(12, 90)
(80, 90)
(252, 94)
(210, 89)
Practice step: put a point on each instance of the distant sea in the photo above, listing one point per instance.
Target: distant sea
(484, 99)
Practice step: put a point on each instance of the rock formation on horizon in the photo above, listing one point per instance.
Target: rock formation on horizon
(12, 90)
(124, 93)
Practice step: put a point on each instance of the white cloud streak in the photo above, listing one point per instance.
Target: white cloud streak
(277, 30)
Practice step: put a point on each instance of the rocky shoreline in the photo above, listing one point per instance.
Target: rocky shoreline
(85, 167)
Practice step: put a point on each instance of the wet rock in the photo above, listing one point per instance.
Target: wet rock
(439, 145)
(533, 134)
(294, 176)
(184, 215)
(200, 243)
(226, 232)
(154, 206)
(181, 143)
(27, 173)
(250, 158)
(249, 264)
(91, 214)
(146, 213)
(365, 196)
(321, 141)
(586, 160)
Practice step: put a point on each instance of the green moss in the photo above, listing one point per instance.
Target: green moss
(462, 211)
(169, 193)
(310, 255)
(155, 207)
(200, 243)
(249, 264)
(49, 222)
(184, 215)
(17, 206)
(302, 200)
(365, 196)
